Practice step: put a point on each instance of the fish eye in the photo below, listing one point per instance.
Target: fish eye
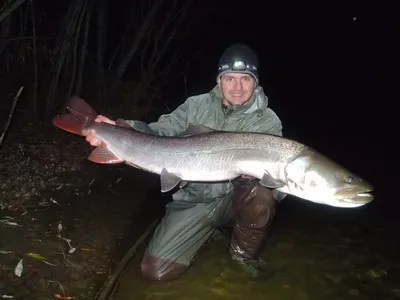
(350, 179)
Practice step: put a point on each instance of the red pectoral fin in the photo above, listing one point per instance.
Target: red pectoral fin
(103, 155)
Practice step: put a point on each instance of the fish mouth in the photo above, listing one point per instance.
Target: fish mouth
(351, 196)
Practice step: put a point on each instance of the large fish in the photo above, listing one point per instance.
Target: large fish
(203, 155)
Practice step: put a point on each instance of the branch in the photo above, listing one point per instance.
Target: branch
(61, 52)
(180, 12)
(5, 12)
(65, 35)
(169, 78)
(21, 38)
(83, 49)
(161, 30)
(136, 42)
(35, 63)
(75, 50)
(11, 114)
(106, 289)
(101, 35)
(132, 23)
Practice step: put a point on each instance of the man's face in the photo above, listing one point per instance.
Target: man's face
(237, 88)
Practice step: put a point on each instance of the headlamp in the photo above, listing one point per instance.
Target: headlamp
(238, 66)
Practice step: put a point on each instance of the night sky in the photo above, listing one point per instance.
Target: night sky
(328, 70)
(324, 67)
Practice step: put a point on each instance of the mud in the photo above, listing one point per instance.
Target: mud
(68, 220)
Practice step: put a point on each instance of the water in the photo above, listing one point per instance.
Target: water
(314, 252)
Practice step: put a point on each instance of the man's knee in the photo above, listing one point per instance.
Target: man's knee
(154, 268)
(257, 208)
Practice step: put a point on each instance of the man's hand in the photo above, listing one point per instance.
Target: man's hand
(91, 137)
(248, 177)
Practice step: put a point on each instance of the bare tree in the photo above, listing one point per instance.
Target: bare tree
(8, 7)
(34, 102)
(101, 35)
(154, 47)
(5, 31)
(71, 38)
(137, 38)
(159, 40)
(83, 48)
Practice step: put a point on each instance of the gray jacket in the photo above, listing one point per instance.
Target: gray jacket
(207, 110)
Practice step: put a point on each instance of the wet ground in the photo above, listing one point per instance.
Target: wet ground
(70, 222)
(67, 220)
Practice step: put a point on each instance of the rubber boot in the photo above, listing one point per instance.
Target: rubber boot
(255, 208)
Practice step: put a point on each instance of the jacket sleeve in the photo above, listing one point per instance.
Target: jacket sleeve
(168, 124)
(273, 125)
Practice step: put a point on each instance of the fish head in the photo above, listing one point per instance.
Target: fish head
(315, 177)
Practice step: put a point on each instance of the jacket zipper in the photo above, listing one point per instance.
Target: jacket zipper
(227, 113)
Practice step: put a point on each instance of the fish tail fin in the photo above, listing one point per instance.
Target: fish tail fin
(79, 117)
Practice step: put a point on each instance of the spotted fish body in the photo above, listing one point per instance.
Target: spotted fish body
(203, 155)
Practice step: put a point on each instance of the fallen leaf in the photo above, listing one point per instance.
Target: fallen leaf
(58, 296)
(36, 256)
(19, 268)
(88, 249)
(12, 224)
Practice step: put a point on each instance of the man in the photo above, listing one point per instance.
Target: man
(236, 103)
